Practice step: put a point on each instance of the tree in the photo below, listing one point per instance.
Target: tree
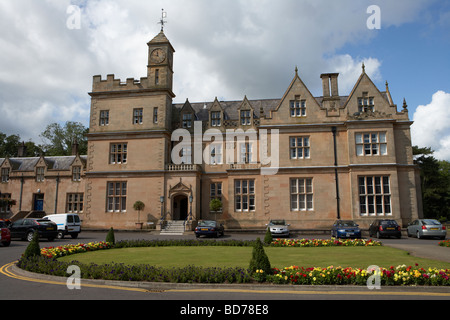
(58, 140)
(9, 146)
(139, 206)
(435, 183)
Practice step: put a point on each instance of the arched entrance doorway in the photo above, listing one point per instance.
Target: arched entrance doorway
(180, 207)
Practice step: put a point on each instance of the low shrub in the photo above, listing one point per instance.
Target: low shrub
(33, 248)
(122, 272)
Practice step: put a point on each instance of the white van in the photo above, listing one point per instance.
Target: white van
(68, 223)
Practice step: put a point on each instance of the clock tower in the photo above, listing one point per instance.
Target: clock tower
(160, 63)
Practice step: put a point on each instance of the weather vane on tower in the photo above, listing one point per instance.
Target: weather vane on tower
(162, 21)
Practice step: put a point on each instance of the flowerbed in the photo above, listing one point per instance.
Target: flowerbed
(293, 275)
(324, 243)
(400, 275)
(445, 243)
(60, 251)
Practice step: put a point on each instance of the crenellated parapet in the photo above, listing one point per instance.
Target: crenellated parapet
(113, 84)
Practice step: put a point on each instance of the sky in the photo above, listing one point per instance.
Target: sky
(228, 49)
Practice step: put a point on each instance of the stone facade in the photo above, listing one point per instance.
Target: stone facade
(347, 157)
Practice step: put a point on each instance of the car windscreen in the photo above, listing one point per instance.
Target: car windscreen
(431, 222)
(348, 224)
(44, 221)
(206, 223)
(278, 222)
(389, 223)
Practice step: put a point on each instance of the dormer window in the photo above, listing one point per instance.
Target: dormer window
(216, 119)
(365, 103)
(246, 117)
(5, 175)
(187, 120)
(40, 174)
(76, 173)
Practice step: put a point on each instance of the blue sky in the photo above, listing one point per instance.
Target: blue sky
(415, 56)
(224, 48)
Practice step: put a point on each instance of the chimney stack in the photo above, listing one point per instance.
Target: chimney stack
(22, 150)
(330, 84)
(75, 147)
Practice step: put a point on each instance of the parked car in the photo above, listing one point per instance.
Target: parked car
(422, 228)
(25, 229)
(279, 228)
(345, 229)
(68, 223)
(385, 228)
(209, 228)
(5, 234)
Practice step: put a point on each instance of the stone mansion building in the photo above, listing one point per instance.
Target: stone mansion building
(339, 157)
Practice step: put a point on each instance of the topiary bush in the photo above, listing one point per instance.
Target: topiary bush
(110, 236)
(268, 237)
(33, 248)
(259, 260)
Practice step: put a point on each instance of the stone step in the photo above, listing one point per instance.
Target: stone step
(173, 228)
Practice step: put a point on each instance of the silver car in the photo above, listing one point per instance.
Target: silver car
(422, 228)
(278, 228)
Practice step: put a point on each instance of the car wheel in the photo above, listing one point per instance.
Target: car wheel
(74, 235)
(7, 243)
(60, 235)
(30, 236)
(378, 235)
(418, 235)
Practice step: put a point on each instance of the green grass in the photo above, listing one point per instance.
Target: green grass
(176, 256)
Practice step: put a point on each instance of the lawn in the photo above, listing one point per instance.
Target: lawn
(176, 256)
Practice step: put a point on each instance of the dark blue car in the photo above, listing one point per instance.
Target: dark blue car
(209, 228)
(345, 229)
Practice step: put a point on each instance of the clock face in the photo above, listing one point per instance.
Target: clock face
(157, 56)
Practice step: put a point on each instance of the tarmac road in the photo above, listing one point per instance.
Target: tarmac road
(22, 286)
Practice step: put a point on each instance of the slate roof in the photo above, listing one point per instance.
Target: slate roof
(53, 163)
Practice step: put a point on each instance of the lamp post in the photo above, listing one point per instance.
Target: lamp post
(190, 210)
(161, 199)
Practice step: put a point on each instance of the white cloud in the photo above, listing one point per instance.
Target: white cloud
(431, 125)
(223, 48)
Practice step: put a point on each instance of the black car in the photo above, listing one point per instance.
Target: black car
(25, 229)
(385, 228)
(209, 228)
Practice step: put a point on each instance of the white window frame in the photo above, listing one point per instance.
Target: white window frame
(371, 144)
(301, 194)
(375, 199)
(116, 196)
(244, 195)
(300, 147)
